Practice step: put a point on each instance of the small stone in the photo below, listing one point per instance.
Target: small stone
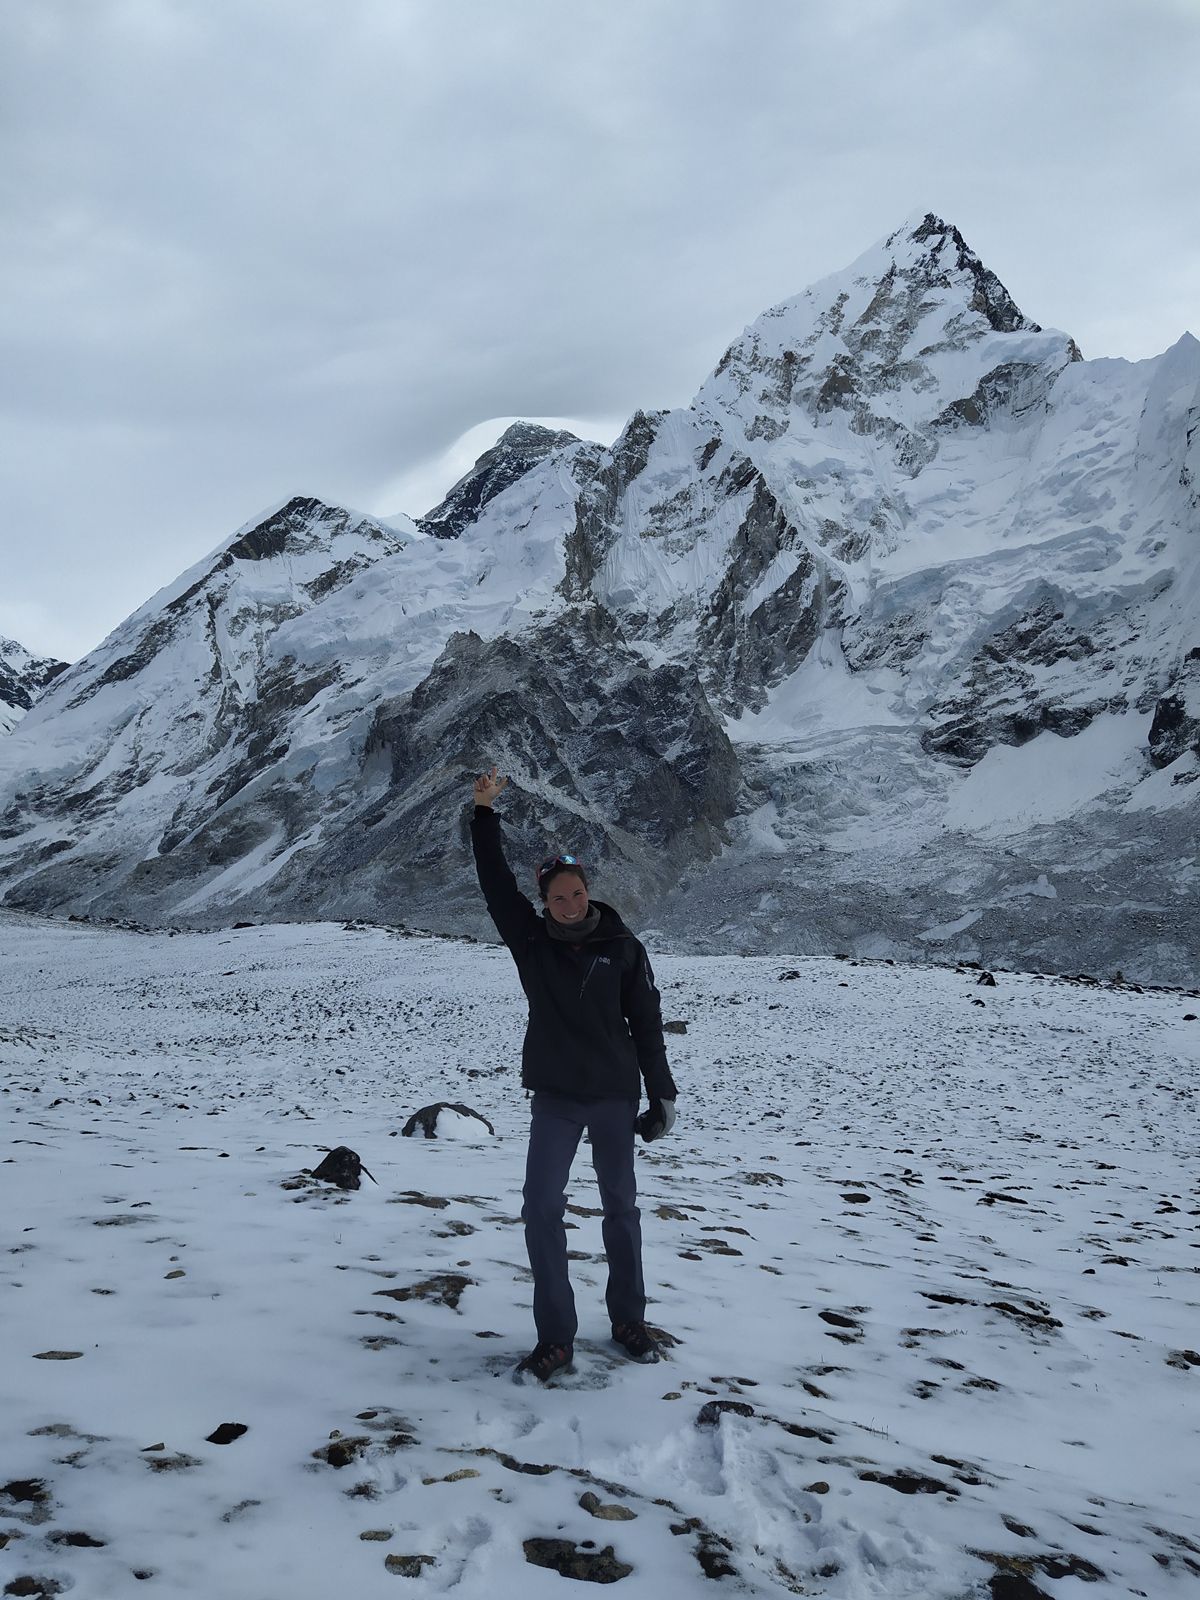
(30, 1490)
(673, 1394)
(838, 1320)
(227, 1432)
(381, 1534)
(594, 1507)
(341, 1452)
(407, 1566)
(58, 1355)
(1014, 1586)
(573, 1561)
(711, 1412)
(820, 1487)
(443, 1288)
(179, 1462)
(178, 1273)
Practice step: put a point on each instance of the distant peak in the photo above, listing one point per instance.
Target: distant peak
(22, 678)
(530, 435)
(519, 448)
(295, 524)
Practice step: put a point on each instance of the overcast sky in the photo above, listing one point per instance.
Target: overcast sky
(254, 248)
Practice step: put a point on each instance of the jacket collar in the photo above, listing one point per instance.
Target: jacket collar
(610, 926)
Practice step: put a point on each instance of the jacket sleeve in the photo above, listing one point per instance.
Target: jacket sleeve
(643, 1012)
(508, 908)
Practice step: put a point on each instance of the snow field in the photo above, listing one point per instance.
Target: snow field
(930, 1266)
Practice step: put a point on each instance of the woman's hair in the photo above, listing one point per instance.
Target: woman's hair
(546, 878)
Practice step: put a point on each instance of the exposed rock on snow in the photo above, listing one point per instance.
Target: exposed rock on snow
(518, 449)
(450, 1120)
(23, 676)
(1175, 729)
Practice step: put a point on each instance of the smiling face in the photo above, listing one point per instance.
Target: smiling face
(566, 896)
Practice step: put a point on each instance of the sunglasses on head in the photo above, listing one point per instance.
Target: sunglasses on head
(554, 863)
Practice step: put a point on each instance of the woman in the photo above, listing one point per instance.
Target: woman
(594, 1033)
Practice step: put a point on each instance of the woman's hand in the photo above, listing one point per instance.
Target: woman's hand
(487, 786)
(658, 1120)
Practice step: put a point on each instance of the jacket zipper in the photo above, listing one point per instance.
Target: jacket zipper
(587, 975)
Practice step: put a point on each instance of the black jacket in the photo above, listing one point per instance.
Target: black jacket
(595, 1022)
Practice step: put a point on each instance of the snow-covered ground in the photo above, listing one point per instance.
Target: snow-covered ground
(928, 1251)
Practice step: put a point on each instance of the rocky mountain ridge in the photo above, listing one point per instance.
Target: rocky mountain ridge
(887, 641)
(23, 676)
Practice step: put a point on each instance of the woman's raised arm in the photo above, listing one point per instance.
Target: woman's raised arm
(508, 908)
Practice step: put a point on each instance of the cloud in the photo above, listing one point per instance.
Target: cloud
(266, 246)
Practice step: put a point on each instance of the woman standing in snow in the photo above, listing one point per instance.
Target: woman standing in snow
(594, 1033)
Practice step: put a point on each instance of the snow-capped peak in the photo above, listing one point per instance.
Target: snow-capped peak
(519, 449)
(906, 331)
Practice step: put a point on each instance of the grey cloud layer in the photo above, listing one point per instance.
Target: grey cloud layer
(268, 247)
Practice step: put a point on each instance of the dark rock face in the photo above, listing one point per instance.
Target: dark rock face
(1175, 728)
(620, 762)
(299, 528)
(990, 298)
(1006, 699)
(598, 507)
(212, 636)
(516, 452)
(749, 650)
(1010, 390)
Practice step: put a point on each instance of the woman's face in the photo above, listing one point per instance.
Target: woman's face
(566, 897)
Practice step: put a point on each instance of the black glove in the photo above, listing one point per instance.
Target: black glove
(658, 1120)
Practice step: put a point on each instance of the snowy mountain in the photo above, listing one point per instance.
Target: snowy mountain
(887, 642)
(23, 676)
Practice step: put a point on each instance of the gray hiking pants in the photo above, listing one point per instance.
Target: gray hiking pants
(557, 1125)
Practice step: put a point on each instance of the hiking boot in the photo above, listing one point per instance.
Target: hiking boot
(546, 1359)
(637, 1341)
